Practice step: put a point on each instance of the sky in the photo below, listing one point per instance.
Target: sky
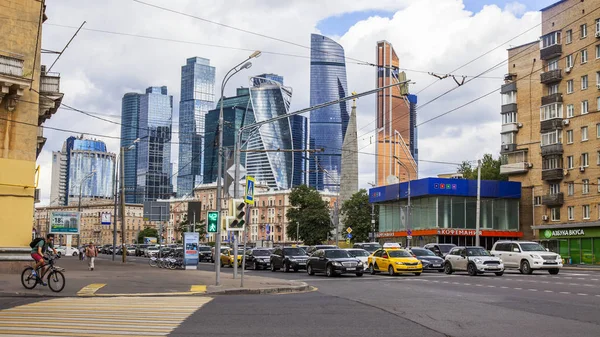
(127, 46)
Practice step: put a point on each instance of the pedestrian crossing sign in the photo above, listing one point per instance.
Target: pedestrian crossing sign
(249, 195)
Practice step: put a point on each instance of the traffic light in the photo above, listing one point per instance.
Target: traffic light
(238, 208)
(213, 222)
(227, 223)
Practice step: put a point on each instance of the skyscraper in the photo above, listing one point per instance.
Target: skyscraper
(130, 114)
(299, 125)
(197, 98)
(78, 158)
(327, 125)
(396, 119)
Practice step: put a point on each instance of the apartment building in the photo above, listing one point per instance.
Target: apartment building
(551, 130)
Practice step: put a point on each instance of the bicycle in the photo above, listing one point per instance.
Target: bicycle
(56, 279)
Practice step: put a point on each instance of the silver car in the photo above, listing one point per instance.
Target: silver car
(474, 260)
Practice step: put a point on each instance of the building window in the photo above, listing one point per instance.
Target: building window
(571, 212)
(568, 36)
(584, 107)
(597, 26)
(584, 56)
(555, 214)
(584, 133)
(584, 82)
(569, 162)
(537, 201)
(569, 136)
(507, 138)
(571, 188)
(509, 98)
(583, 30)
(553, 64)
(598, 184)
(551, 163)
(509, 118)
(570, 111)
(585, 160)
(598, 51)
(550, 39)
(569, 86)
(585, 186)
(552, 137)
(553, 89)
(554, 188)
(598, 130)
(586, 211)
(569, 61)
(551, 111)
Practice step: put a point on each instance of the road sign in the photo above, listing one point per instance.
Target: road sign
(268, 230)
(349, 236)
(105, 218)
(409, 232)
(213, 221)
(231, 171)
(249, 194)
(409, 237)
(349, 230)
(348, 241)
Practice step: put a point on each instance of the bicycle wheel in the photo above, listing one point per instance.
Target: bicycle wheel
(152, 263)
(172, 265)
(27, 279)
(56, 281)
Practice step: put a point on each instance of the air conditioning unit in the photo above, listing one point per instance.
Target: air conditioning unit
(581, 168)
(545, 217)
(568, 69)
(529, 165)
(598, 34)
(566, 121)
(519, 125)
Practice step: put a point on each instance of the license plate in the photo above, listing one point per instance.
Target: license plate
(351, 268)
(437, 265)
(302, 263)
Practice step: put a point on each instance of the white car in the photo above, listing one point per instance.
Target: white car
(151, 251)
(527, 256)
(474, 260)
(359, 253)
(63, 251)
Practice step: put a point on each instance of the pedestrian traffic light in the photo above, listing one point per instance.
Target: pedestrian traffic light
(238, 208)
(213, 222)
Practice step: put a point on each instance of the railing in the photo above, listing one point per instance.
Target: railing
(551, 149)
(551, 52)
(551, 76)
(552, 174)
(50, 82)
(554, 98)
(556, 199)
(11, 66)
(514, 163)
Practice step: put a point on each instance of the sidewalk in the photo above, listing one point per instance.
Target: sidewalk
(132, 279)
(581, 267)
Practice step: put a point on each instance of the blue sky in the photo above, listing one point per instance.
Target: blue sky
(338, 25)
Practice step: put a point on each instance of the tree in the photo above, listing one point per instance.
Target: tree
(147, 232)
(490, 169)
(357, 215)
(310, 213)
(184, 226)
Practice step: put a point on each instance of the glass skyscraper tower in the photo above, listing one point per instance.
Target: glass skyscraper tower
(197, 98)
(130, 113)
(327, 125)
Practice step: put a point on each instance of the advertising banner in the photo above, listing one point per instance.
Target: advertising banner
(64, 223)
(106, 218)
(190, 250)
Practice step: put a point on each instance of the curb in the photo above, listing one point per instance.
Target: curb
(303, 287)
(582, 268)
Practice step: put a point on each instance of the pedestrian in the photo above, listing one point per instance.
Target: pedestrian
(81, 253)
(91, 254)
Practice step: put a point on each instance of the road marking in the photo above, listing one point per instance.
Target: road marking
(90, 289)
(518, 288)
(455, 283)
(548, 291)
(503, 287)
(198, 289)
(64, 316)
(532, 289)
(491, 286)
(581, 294)
(594, 279)
(565, 292)
(479, 285)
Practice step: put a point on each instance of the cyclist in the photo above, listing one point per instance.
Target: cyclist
(37, 253)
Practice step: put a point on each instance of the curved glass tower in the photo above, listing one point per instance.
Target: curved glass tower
(327, 125)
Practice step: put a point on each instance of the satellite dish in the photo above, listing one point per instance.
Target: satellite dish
(392, 179)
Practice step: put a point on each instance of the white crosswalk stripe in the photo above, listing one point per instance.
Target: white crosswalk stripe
(114, 316)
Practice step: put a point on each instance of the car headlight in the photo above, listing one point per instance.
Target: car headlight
(535, 256)
(400, 263)
(335, 263)
(477, 260)
(292, 260)
(500, 260)
(360, 264)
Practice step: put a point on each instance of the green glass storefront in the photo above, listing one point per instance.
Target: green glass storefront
(575, 245)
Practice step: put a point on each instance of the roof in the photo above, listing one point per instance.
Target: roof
(554, 4)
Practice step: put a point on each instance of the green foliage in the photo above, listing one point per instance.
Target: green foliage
(311, 214)
(490, 169)
(356, 213)
(147, 232)
(184, 226)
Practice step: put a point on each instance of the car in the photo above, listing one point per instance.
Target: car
(64, 251)
(212, 252)
(130, 250)
(440, 249)
(258, 258)
(474, 260)
(288, 258)
(527, 256)
(151, 251)
(139, 249)
(311, 249)
(394, 261)
(368, 246)
(361, 254)
(334, 262)
(227, 258)
(204, 253)
(428, 259)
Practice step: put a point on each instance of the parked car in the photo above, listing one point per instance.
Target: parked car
(428, 259)
(131, 250)
(258, 258)
(64, 251)
(334, 262)
(288, 258)
(212, 252)
(151, 251)
(227, 258)
(440, 249)
(368, 246)
(527, 256)
(139, 249)
(394, 261)
(204, 253)
(474, 260)
(361, 254)
(311, 249)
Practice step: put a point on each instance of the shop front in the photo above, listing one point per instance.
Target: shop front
(576, 243)
(444, 211)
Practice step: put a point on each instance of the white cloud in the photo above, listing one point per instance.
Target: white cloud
(515, 8)
(432, 35)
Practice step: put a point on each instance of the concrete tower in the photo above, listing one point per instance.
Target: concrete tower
(349, 177)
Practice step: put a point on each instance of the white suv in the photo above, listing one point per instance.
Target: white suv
(527, 256)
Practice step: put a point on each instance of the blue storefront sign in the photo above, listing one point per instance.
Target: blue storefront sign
(190, 246)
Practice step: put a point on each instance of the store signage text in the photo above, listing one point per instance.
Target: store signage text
(465, 232)
(563, 232)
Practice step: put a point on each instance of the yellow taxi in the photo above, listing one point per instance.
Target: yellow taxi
(393, 260)
(227, 257)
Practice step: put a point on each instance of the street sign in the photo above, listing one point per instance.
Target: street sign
(64, 222)
(105, 218)
(156, 211)
(231, 171)
(409, 237)
(349, 236)
(409, 232)
(349, 230)
(249, 194)
(213, 221)
(348, 241)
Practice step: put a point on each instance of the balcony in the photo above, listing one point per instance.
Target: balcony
(514, 163)
(551, 52)
(554, 98)
(552, 149)
(553, 200)
(41, 141)
(551, 124)
(512, 107)
(12, 82)
(553, 174)
(510, 127)
(50, 95)
(551, 76)
(508, 148)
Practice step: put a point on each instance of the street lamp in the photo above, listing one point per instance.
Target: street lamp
(89, 175)
(242, 65)
(373, 216)
(408, 205)
(115, 193)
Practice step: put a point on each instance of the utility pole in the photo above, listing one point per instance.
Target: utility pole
(478, 202)
(114, 217)
(373, 222)
(336, 222)
(124, 251)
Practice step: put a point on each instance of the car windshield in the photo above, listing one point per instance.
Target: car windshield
(477, 252)
(399, 253)
(204, 249)
(152, 248)
(293, 251)
(358, 252)
(263, 252)
(371, 247)
(422, 252)
(446, 248)
(532, 247)
(336, 254)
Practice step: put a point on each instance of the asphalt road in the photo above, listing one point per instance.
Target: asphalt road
(433, 304)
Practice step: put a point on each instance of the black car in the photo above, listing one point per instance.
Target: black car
(204, 253)
(334, 262)
(258, 258)
(368, 246)
(428, 259)
(314, 248)
(288, 258)
(440, 249)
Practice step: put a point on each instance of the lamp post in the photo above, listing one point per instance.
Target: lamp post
(89, 175)
(115, 192)
(242, 65)
(408, 204)
(372, 216)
